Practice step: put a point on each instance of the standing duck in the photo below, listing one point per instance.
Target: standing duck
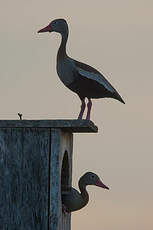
(73, 200)
(82, 79)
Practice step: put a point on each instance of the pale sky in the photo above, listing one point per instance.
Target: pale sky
(116, 37)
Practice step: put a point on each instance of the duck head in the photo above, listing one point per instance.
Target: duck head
(57, 25)
(91, 178)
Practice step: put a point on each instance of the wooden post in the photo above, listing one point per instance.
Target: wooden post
(35, 160)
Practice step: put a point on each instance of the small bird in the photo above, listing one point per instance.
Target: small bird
(81, 78)
(73, 200)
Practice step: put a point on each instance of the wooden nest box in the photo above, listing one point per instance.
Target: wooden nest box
(35, 160)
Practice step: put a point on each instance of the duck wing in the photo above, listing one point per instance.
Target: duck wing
(90, 83)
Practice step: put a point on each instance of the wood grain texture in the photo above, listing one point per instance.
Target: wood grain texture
(24, 168)
(35, 162)
(65, 125)
(61, 144)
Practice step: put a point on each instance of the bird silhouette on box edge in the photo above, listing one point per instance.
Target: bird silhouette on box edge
(72, 200)
(81, 78)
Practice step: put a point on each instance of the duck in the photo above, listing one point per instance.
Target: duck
(82, 79)
(73, 200)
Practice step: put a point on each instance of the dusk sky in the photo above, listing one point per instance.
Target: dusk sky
(115, 37)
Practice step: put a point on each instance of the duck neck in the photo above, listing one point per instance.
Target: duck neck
(84, 192)
(62, 48)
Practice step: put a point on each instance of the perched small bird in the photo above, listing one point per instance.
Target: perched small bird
(73, 200)
(82, 79)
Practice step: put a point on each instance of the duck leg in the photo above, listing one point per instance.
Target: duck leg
(83, 106)
(89, 105)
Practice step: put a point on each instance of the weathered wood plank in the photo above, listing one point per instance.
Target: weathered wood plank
(24, 168)
(61, 144)
(66, 125)
(35, 160)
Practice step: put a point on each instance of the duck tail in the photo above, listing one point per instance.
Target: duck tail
(118, 97)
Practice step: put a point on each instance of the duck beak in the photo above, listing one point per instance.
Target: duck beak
(100, 184)
(46, 29)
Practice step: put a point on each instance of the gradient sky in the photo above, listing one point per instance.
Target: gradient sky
(116, 37)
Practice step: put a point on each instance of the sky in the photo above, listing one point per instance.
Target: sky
(115, 37)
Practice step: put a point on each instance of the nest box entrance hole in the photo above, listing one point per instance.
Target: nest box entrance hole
(65, 171)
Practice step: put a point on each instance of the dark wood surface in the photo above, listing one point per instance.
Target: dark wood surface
(24, 167)
(32, 170)
(66, 125)
(61, 144)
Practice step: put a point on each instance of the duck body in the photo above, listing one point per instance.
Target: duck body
(91, 84)
(74, 200)
(81, 78)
